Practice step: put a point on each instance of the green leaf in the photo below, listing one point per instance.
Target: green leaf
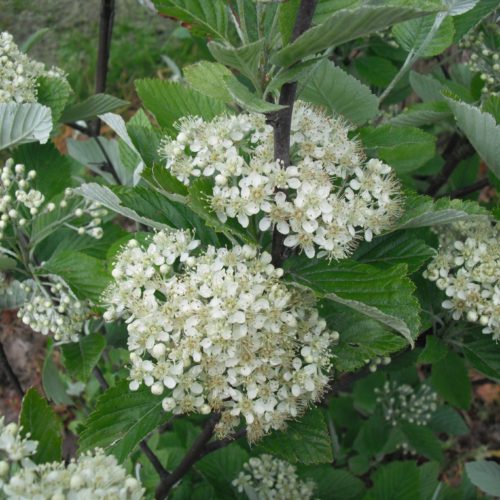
(169, 101)
(245, 59)
(121, 419)
(400, 247)
(13, 297)
(81, 357)
(145, 138)
(411, 34)
(221, 468)
(163, 181)
(85, 275)
(484, 355)
(434, 350)
(306, 441)
(341, 27)
(450, 379)
(464, 22)
(372, 436)
(53, 385)
(39, 421)
(332, 484)
(492, 106)
(287, 16)
(340, 93)
(365, 397)
(485, 474)
(423, 440)
(361, 338)
(457, 7)
(384, 295)
(247, 99)
(52, 168)
(208, 79)
(395, 480)
(54, 93)
(422, 211)
(403, 148)
(33, 39)
(105, 196)
(426, 87)
(205, 18)
(422, 113)
(482, 131)
(446, 420)
(22, 123)
(429, 482)
(375, 70)
(95, 105)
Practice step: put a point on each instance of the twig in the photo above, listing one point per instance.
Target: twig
(460, 193)
(221, 443)
(105, 33)
(9, 372)
(148, 452)
(457, 150)
(192, 456)
(80, 128)
(282, 120)
(110, 166)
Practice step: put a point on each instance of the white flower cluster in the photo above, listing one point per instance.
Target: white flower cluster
(14, 447)
(268, 478)
(467, 268)
(402, 402)
(219, 332)
(19, 204)
(19, 73)
(483, 59)
(51, 307)
(329, 199)
(92, 476)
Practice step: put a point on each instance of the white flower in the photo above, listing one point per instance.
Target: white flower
(268, 478)
(14, 447)
(332, 200)
(218, 331)
(467, 269)
(401, 402)
(19, 73)
(92, 475)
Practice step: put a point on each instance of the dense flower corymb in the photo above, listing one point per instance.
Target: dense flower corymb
(268, 478)
(328, 199)
(401, 402)
(93, 475)
(19, 73)
(467, 268)
(219, 332)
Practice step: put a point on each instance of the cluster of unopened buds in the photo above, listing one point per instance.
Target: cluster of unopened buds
(52, 307)
(327, 201)
(217, 331)
(269, 478)
(483, 59)
(92, 475)
(467, 269)
(404, 403)
(20, 204)
(374, 364)
(19, 73)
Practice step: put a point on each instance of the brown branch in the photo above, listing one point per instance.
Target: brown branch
(192, 456)
(143, 445)
(457, 150)
(9, 372)
(105, 34)
(221, 443)
(282, 120)
(476, 186)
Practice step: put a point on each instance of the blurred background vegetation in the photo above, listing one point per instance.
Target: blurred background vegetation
(144, 45)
